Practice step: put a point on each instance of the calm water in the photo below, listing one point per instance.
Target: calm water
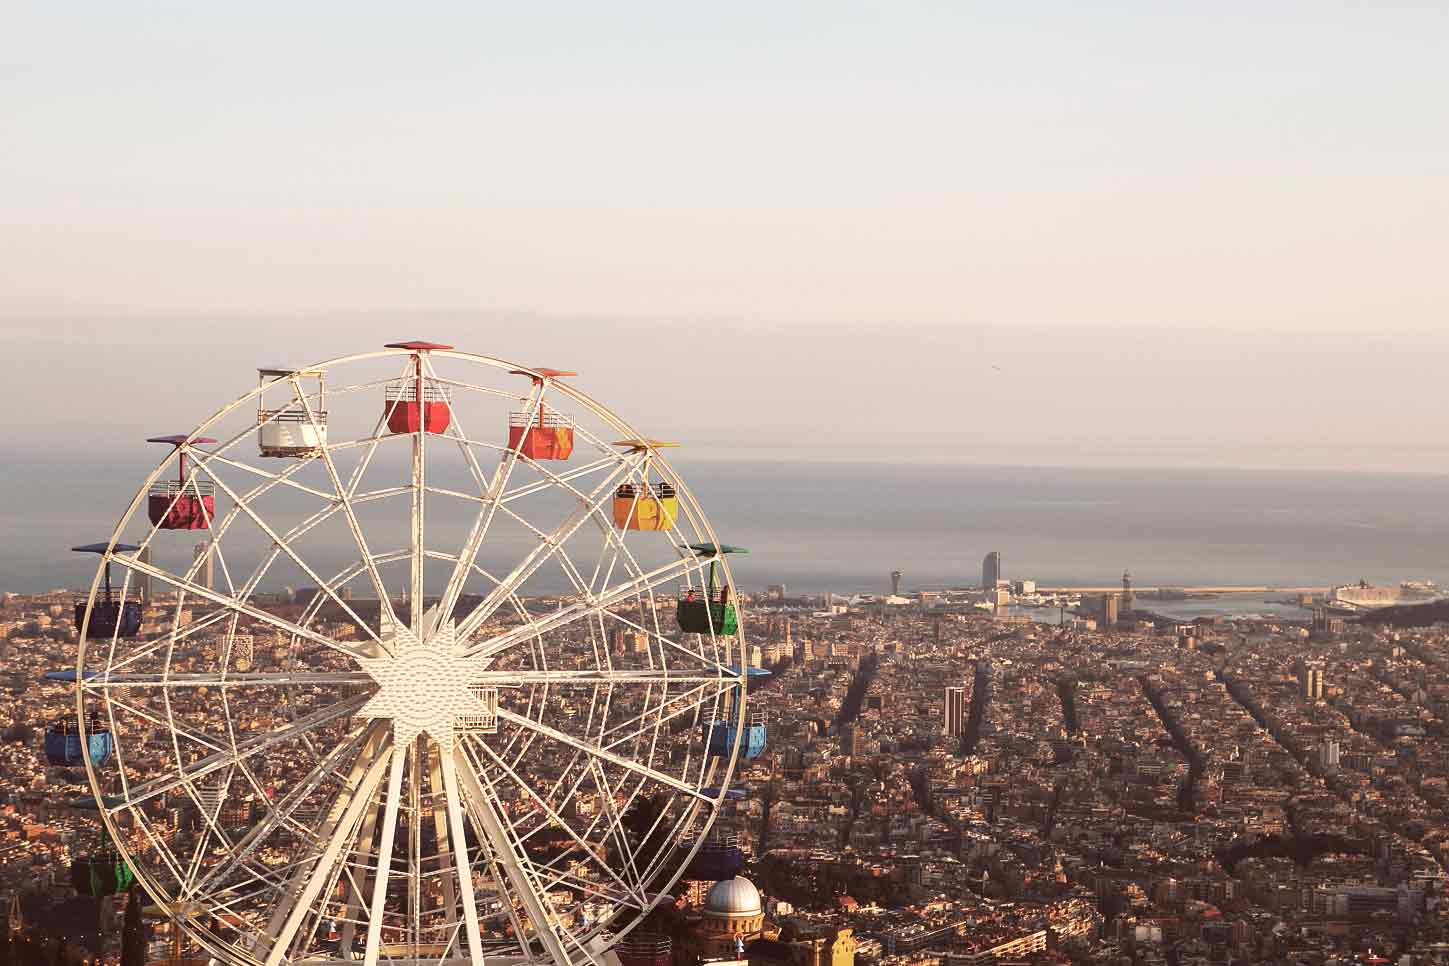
(845, 526)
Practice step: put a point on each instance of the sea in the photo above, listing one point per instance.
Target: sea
(844, 525)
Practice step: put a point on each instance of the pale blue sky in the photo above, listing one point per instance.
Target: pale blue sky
(1218, 182)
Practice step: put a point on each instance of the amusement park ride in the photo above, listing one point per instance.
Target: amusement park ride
(440, 753)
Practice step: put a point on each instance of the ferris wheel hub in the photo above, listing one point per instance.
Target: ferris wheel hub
(423, 687)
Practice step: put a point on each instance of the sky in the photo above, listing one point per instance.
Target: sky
(1035, 233)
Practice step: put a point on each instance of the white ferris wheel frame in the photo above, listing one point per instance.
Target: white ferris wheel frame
(368, 761)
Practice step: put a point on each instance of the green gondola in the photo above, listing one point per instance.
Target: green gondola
(104, 873)
(716, 612)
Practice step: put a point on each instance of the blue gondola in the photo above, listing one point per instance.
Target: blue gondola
(724, 734)
(63, 744)
(109, 617)
(720, 857)
(645, 949)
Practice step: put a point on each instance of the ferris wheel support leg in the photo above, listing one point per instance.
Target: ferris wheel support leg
(507, 857)
(384, 855)
(356, 890)
(460, 857)
(447, 855)
(294, 907)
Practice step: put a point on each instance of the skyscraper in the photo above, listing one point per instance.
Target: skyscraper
(991, 569)
(895, 583)
(1128, 598)
(955, 724)
(1310, 679)
(1111, 609)
(205, 573)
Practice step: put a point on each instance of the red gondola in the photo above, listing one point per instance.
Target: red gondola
(183, 503)
(416, 401)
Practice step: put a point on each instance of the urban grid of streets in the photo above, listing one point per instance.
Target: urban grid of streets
(1150, 793)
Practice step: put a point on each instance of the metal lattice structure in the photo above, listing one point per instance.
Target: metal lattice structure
(475, 731)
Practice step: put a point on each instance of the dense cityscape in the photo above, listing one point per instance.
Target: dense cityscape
(947, 781)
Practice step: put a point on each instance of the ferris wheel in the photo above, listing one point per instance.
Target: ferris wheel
(454, 674)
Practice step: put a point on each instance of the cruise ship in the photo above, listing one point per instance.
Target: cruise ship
(1366, 596)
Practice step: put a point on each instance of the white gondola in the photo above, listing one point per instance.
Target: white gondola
(297, 428)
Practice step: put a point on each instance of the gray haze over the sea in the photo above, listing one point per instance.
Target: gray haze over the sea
(843, 526)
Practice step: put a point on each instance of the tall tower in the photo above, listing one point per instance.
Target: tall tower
(205, 574)
(895, 583)
(1128, 600)
(143, 580)
(955, 723)
(991, 569)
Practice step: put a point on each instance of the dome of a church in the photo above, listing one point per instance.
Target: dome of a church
(735, 898)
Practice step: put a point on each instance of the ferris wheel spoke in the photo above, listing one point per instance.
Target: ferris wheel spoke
(654, 716)
(483, 519)
(582, 609)
(233, 604)
(600, 753)
(257, 679)
(202, 767)
(672, 647)
(280, 479)
(552, 479)
(173, 637)
(294, 905)
(283, 811)
(528, 789)
(281, 543)
(343, 495)
(550, 545)
(615, 821)
(489, 814)
(602, 677)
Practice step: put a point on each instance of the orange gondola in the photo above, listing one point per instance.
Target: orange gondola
(541, 434)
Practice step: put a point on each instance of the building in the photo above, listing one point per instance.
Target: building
(1310, 679)
(629, 641)
(896, 583)
(1325, 624)
(991, 569)
(1129, 601)
(837, 949)
(1000, 602)
(732, 916)
(143, 579)
(955, 724)
(204, 564)
(1106, 608)
(775, 592)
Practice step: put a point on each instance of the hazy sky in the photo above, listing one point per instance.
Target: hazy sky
(1177, 234)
